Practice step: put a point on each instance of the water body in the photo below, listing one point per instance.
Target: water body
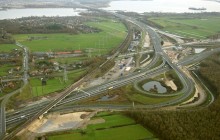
(151, 85)
(173, 6)
(49, 12)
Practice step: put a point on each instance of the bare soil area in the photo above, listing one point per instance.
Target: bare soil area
(171, 84)
(58, 122)
(167, 44)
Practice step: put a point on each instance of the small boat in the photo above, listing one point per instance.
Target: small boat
(194, 8)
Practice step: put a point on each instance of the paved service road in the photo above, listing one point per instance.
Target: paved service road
(70, 95)
(6, 97)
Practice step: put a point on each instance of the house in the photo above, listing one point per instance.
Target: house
(77, 51)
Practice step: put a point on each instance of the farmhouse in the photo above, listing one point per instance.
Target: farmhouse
(68, 54)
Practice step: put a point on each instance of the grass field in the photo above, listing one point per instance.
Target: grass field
(69, 59)
(111, 121)
(112, 34)
(53, 84)
(5, 68)
(196, 27)
(116, 127)
(143, 99)
(7, 47)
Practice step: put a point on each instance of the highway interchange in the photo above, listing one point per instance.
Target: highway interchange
(71, 94)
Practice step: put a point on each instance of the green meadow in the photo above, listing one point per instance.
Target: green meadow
(194, 27)
(115, 127)
(53, 84)
(144, 99)
(69, 59)
(7, 47)
(5, 68)
(112, 34)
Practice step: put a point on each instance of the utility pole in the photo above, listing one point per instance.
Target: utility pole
(36, 92)
(1, 86)
(89, 53)
(165, 77)
(103, 44)
(2, 32)
(98, 17)
(137, 57)
(99, 51)
(65, 77)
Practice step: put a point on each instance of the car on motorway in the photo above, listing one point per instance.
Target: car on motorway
(23, 116)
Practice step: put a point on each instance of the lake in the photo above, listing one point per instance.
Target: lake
(154, 85)
(176, 6)
(18, 13)
(134, 6)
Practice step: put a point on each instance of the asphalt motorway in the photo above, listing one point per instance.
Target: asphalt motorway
(25, 113)
(187, 83)
(5, 98)
(190, 60)
(53, 103)
(2, 120)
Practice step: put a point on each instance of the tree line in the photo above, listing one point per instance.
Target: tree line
(33, 25)
(188, 124)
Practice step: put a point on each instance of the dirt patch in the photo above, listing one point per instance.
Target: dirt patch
(36, 124)
(57, 122)
(171, 84)
(147, 41)
(167, 44)
(196, 95)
